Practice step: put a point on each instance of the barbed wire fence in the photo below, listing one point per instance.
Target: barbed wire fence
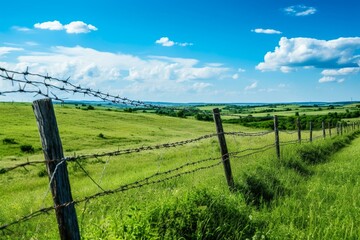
(49, 87)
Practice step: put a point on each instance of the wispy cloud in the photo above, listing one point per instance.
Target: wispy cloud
(300, 10)
(74, 27)
(266, 31)
(312, 53)
(327, 79)
(251, 86)
(166, 42)
(7, 50)
(340, 72)
(21, 29)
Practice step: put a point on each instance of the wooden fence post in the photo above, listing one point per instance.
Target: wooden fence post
(299, 129)
(329, 126)
(323, 129)
(277, 142)
(223, 148)
(311, 132)
(56, 168)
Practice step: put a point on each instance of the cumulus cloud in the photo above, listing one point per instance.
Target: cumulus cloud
(123, 74)
(79, 27)
(166, 42)
(330, 75)
(300, 10)
(251, 86)
(312, 53)
(74, 27)
(51, 25)
(266, 31)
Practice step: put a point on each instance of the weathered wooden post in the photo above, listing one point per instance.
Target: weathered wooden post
(329, 126)
(56, 168)
(277, 141)
(311, 132)
(337, 129)
(323, 129)
(299, 129)
(223, 148)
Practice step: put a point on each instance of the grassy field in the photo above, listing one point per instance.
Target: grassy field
(193, 206)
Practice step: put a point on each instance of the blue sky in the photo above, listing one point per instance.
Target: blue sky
(189, 51)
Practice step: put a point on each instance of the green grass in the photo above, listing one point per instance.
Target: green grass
(326, 205)
(194, 206)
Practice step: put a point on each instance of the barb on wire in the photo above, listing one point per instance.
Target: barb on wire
(122, 188)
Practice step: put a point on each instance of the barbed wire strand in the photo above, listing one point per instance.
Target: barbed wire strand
(248, 134)
(263, 149)
(288, 132)
(88, 175)
(115, 153)
(122, 188)
(253, 149)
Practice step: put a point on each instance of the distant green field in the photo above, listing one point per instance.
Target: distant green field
(194, 206)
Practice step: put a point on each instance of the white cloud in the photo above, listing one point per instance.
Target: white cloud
(166, 42)
(329, 75)
(300, 10)
(235, 76)
(266, 31)
(6, 50)
(21, 29)
(251, 86)
(54, 25)
(200, 86)
(340, 72)
(184, 44)
(71, 28)
(79, 27)
(123, 74)
(31, 43)
(327, 79)
(313, 53)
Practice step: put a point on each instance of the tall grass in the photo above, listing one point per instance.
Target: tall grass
(297, 197)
